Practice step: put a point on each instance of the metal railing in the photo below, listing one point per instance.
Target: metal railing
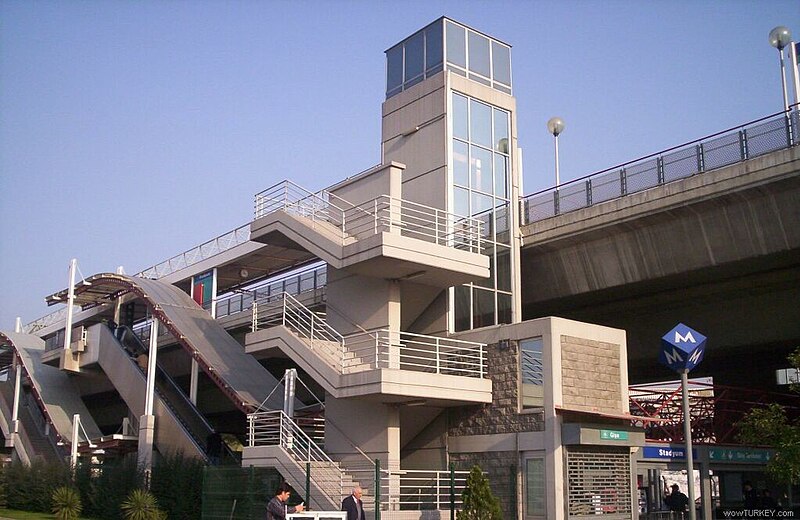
(422, 489)
(416, 352)
(724, 148)
(199, 253)
(531, 367)
(59, 316)
(275, 428)
(295, 283)
(321, 337)
(383, 213)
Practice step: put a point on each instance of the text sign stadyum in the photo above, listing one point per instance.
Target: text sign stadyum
(666, 453)
(682, 348)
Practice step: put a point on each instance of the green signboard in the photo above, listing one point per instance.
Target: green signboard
(754, 456)
(613, 435)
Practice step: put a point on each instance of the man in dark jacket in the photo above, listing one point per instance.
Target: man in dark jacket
(676, 501)
(354, 506)
(277, 508)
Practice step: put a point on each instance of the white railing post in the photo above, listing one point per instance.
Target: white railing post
(375, 215)
(377, 350)
(438, 356)
(251, 433)
(254, 326)
(480, 360)
(438, 482)
(312, 330)
(283, 322)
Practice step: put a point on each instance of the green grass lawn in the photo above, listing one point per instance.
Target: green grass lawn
(24, 515)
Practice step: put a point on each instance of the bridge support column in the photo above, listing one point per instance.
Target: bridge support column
(147, 422)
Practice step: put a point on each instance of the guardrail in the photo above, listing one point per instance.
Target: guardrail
(422, 489)
(736, 144)
(296, 283)
(275, 428)
(197, 254)
(417, 352)
(383, 213)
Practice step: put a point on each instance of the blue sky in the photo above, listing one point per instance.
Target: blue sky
(131, 131)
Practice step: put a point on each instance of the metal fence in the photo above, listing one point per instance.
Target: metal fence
(418, 490)
(383, 213)
(730, 146)
(236, 493)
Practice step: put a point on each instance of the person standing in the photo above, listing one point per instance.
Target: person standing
(277, 509)
(353, 505)
(676, 501)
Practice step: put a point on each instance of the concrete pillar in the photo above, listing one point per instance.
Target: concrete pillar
(17, 395)
(147, 428)
(194, 377)
(393, 456)
(393, 315)
(73, 265)
(706, 497)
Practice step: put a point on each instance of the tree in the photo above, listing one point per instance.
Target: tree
(771, 426)
(479, 502)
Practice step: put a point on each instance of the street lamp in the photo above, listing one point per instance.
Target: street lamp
(780, 37)
(555, 126)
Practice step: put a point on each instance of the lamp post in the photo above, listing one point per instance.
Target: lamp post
(780, 37)
(555, 126)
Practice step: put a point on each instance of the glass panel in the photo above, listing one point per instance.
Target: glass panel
(503, 268)
(488, 250)
(503, 308)
(433, 46)
(534, 487)
(460, 161)
(461, 202)
(500, 175)
(461, 307)
(501, 131)
(460, 117)
(456, 45)
(501, 218)
(394, 67)
(481, 204)
(480, 123)
(482, 307)
(501, 63)
(479, 54)
(415, 56)
(481, 162)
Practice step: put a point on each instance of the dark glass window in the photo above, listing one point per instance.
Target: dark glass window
(503, 268)
(433, 46)
(479, 54)
(415, 57)
(482, 307)
(503, 308)
(461, 307)
(456, 45)
(501, 63)
(394, 68)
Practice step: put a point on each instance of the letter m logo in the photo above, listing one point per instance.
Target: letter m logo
(687, 338)
(673, 356)
(695, 357)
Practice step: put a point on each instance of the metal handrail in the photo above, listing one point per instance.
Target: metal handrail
(735, 144)
(199, 253)
(422, 489)
(417, 352)
(383, 213)
(275, 428)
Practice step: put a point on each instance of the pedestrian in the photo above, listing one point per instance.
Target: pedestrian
(353, 505)
(750, 496)
(277, 509)
(676, 501)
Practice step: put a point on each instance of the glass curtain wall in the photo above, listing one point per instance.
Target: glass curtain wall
(480, 179)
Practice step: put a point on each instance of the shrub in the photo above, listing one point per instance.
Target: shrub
(141, 505)
(66, 503)
(177, 483)
(479, 502)
(106, 489)
(33, 485)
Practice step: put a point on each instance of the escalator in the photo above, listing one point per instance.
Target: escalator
(181, 426)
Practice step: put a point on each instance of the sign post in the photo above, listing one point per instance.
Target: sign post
(682, 349)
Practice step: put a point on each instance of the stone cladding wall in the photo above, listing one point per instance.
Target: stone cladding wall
(590, 374)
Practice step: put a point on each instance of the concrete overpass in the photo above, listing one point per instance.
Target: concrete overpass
(719, 250)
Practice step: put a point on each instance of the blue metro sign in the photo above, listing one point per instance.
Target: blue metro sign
(682, 348)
